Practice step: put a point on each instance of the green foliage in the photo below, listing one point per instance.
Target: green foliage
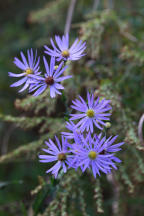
(49, 12)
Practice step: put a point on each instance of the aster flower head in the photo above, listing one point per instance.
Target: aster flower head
(72, 128)
(56, 153)
(90, 155)
(52, 79)
(109, 147)
(93, 112)
(29, 67)
(64, 52)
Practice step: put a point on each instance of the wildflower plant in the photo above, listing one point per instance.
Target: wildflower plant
(64, 52)
(29, 67)
(52, 79)
(94, 112)
(89, 150)
(59, 153)
(72, 130)
(91, 154)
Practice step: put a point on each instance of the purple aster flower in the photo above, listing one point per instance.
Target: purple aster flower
(72, 127)
(90, 155)
(63, 52)
(92, 113)
(52, 79)
(108, 143)
(56, 153)
(29, 67)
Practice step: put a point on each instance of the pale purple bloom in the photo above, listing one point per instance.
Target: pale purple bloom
(57, 153)
(93, 112)
(72, 127)
(29, 67)
(64, 52)
(89, 154)
(52, 79)
(108, 143)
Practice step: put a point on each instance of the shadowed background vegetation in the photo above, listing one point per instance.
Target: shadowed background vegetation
(113, 68)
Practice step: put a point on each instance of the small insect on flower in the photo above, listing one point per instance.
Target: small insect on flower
(56, 153)
(29, 67)
(90, 155)
(92, 113)
(52, 79)
(63, 52)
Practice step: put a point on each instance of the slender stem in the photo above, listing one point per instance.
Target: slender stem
(67, 113)
(95, 4)
(140, 127)
(116, 193)
(110, 2)
(5, 141)
(69, 16)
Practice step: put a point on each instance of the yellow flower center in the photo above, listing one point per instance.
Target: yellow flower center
(28, 71)
(65, 53)
(92, 155)
(90, 113)
(61, 156)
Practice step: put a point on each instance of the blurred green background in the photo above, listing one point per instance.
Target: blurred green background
(30, 24)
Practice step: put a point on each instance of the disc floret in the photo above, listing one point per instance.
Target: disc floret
(92, 155)
(65, 53)
(28, 71)
(49, 80)
(61, 156)
(90, 113)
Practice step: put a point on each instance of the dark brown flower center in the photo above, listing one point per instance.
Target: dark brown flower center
(49, 80)
(61, 156)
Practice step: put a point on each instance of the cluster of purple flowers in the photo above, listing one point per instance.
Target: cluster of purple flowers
(31, 77)
(80, 147)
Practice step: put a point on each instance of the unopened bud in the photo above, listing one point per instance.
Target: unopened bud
(107, 124)
(56, 67)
